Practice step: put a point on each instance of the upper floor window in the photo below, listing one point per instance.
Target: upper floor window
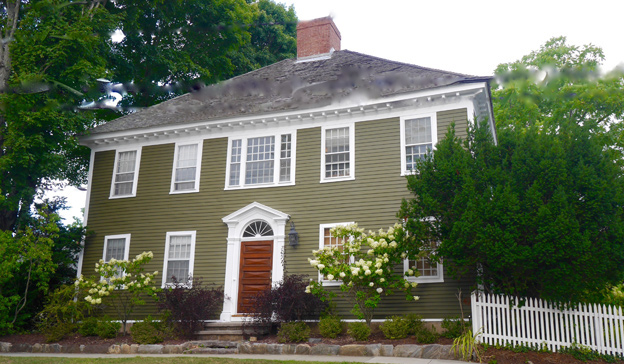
(116, 247)
(337, 156)
(261, 161)
(327, 239)
(186, 168)
(125, 173)
(418, 136)
(179, 257)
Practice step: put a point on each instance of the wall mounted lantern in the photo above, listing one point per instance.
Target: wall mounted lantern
(293, 235)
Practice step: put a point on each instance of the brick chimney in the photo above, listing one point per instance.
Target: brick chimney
(316, 37)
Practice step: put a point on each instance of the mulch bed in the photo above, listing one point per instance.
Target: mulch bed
(492, 355)
(77, 340)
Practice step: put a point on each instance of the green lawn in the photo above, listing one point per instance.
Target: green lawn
(141, 360)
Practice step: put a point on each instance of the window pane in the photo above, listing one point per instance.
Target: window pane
(180, 247)
(126, 162)
(115, 248)
(418, 131)
(179, 270)
(260, 163)
(425, 267)
(413, 153)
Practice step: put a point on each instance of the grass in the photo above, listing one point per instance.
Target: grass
(140, 360)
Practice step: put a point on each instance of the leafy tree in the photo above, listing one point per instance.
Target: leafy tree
(172, 47)
(26, 266)
(54, 51)
(123, 284)
(561, 82)
(540, 213)
(365, 266)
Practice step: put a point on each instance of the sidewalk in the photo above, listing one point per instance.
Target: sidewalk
(301, 358)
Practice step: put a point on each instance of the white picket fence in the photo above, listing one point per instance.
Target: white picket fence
(539, 323)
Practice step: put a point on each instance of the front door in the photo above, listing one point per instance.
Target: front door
(256, 261)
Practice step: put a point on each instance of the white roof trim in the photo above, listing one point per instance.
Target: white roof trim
(352, 107)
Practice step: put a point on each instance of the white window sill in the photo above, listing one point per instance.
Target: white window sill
(247, 187)
(334, 283)
(183, 192)
(121, 196)
(337, 179)
(425, 279)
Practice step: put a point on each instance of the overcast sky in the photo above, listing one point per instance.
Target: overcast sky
(471, 37)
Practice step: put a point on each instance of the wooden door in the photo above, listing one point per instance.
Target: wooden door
(256, 264)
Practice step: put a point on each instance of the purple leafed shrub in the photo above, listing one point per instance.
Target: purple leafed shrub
(287, 302)
(189, 307)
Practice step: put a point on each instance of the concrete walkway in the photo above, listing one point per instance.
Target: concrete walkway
(276, 358)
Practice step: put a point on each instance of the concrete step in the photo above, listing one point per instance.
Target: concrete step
(234, 331)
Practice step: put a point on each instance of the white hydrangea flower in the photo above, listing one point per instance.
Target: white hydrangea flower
(371, 284)
(379, 290)
(379, 271)
(382, 280)
(416, 298)
(330, 277)
(342, 274)
(410, 272)
(368, 272)
(320, 266)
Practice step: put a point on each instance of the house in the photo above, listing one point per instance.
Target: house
(211, 181)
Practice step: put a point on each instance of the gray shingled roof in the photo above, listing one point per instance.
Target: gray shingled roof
(288, 86)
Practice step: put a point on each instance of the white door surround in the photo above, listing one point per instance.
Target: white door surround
(237, 222)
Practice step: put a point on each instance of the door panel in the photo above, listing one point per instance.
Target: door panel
(256, 263)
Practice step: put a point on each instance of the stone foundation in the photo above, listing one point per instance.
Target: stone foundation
(433, 351)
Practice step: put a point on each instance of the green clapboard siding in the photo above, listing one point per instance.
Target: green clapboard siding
(372, 200)
(459, 117)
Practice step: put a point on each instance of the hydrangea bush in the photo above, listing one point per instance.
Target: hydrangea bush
(366, 266)
(128, 277)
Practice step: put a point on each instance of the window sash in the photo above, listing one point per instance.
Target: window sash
(418, 140)
(337, 153)
(125, 173)
(186, 167)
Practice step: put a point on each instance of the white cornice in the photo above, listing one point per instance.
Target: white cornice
(380, 107)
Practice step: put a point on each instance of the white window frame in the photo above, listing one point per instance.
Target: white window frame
(200, 145)
(276, 160)
(322, 227)
(434, 137)
(193, 235)
(425, 279)
(137, 167)
(351, 176)
(126, 247)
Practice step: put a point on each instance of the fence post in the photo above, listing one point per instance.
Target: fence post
(476, 313)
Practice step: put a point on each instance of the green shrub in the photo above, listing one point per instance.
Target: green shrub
(330, 326)
(58, 331)
(416, 323)
(293, 332)
(61, 311)
(359, 330)
(395, 327)
(107, 329)
(88, 327)
(425, 335)
(147, 332)
(454, 327)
